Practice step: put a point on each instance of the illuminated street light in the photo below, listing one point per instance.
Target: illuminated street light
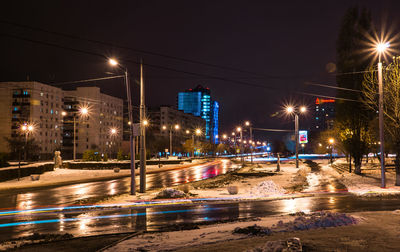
(63, 113)
(247, 123)
(187, 131)
(176, 127)
(198, 132)
(224, 136)
(381, 48)
(113, 62)
(331, 142)
(145, 122)
(84, 111)
(113, 131)
(26, 129)
(291, 110)
(239, 129)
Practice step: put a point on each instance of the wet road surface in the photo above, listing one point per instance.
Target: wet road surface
(80, 221)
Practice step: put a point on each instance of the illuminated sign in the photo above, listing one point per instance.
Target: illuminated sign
(322, 101)
(303, 136)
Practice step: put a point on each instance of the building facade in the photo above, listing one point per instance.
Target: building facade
(162, 118)
(323, 114)
(50, 111)
(198, 102)
(100, 129)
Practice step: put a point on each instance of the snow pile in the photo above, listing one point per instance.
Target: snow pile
(252, 230)
(316, 220)
(266, 188)
(301, 222)
(170, 193)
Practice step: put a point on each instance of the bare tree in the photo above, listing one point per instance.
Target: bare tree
(391, 103)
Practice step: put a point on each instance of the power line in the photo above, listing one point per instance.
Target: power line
(163, 67)
(325, 96)
(333, 87)
(87, 80)
(137, 63)
(141, 51)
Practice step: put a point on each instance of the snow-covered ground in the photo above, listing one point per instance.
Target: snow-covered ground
(369, 183)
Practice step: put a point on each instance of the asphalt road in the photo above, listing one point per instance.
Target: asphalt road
(84, 221)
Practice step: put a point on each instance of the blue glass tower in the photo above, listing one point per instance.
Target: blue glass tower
(198, 102)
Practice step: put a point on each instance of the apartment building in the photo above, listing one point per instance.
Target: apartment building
(51, 111)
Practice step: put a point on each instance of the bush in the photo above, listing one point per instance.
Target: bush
(120, 155)
(3, 160)
(91, 155)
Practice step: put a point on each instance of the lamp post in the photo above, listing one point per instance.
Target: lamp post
(176, 127)
(248, 124)
(292, 110)
(26, 129)
(197, 132)
(239, 129)
(331, 142)
(380, 48)
(113, 62)
(113, 133)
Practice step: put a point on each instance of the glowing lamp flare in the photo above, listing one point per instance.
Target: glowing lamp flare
(381, 47)
(290, 109)
(113, 62)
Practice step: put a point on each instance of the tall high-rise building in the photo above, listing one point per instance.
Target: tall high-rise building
(323, 114)
(198, 102)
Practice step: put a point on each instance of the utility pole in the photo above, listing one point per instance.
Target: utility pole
(142, 134)
(131, 137)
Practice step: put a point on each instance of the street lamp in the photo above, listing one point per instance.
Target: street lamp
(248, 124)
(115, 63)
(113, 133)
(331, 142)
(292, 110)
(239, 129)
(197, 132)
(26, 129)
(176, 127)
(381, 48)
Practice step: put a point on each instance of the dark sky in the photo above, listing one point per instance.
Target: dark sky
(284, 43)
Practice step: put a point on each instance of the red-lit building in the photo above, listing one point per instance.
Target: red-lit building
(323, 114)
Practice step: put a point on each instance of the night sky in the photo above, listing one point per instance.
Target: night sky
(274, 47)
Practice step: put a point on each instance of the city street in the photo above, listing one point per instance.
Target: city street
(53, 210)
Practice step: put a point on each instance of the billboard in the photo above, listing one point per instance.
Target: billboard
(303, 139)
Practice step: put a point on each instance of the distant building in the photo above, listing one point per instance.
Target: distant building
(323, 114)
(93, 130)
(43, 105)
(169, 116)
(34, 103)
(198, 102)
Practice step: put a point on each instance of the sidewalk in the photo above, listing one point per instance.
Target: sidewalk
(73, 176)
